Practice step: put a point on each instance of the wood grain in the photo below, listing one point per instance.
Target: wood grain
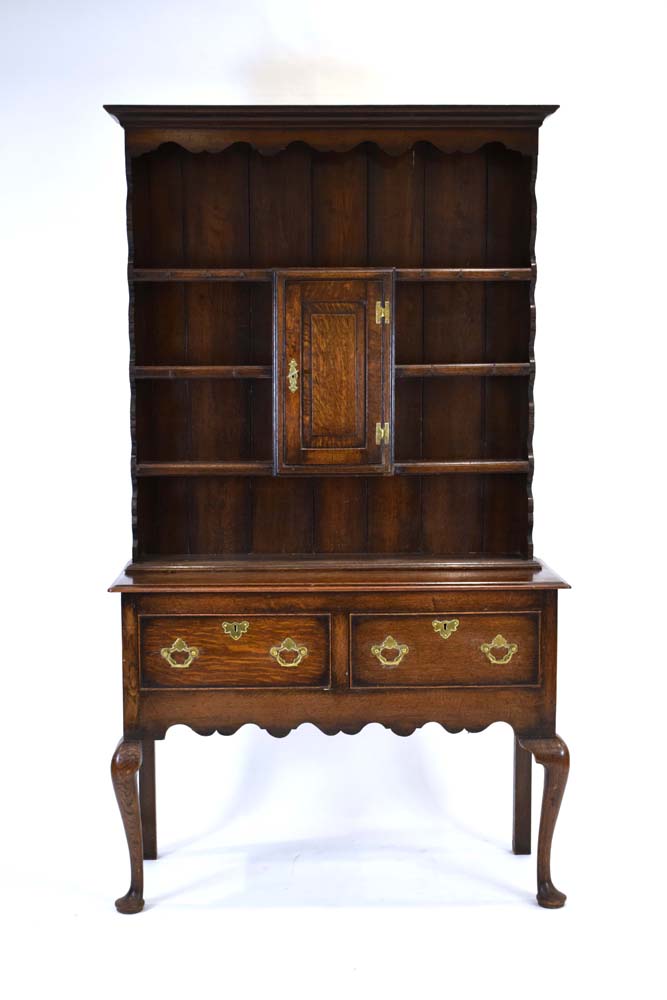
(431, 661)
(222, 661)
(553, 754)
(147, 799)
(522, 801)
(125, 764)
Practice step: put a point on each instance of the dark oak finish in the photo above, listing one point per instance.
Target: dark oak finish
(459, 274)
(523, 796)
(258, 274)
(202, 371)
(246, 661)
(200, 274)
(335, 573)
(125, 764)
(441, 371)
(553, 754)
(204, 468)
(333, 374)
(332, 323)
(362, 214)
(427, 658)
(524, 704)
(365, 116)
(433, 468)
(147, 799)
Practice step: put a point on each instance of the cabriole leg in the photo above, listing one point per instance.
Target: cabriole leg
(147, 799)
(553, 754)
(523, 768)
(125, 764)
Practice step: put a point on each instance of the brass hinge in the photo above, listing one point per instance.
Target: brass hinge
(382, 433)
(382, 312)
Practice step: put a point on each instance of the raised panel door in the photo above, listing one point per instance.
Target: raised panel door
(333, 384)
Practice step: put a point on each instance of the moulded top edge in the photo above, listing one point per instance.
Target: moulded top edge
(263, 577)
(331, 116)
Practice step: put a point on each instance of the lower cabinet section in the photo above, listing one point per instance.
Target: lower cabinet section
(339, 660)
(440, 650)
(235, 651)
(397, 650)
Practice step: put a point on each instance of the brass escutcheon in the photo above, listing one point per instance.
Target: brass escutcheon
(235, 629)
(498, 642)
(293, 376)
(445, 628)
(179, 646)
(289, 646)
(390, 643)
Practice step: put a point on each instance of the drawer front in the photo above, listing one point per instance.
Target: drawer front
(235, 651)
(442, 650)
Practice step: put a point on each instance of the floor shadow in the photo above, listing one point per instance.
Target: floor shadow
(367, 869)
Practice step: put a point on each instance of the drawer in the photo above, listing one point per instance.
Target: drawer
(442, 650)
(235, 651)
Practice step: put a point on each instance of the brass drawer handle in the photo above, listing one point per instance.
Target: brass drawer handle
(180, 646)
(293, 376)
(289, 646)
(445, 628)
(390, 643)
(235, 629)
(498, 642)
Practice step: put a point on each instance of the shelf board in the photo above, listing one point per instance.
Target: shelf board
(265, 274)
(426, 468)
(464, 274)
(201, 371)
(265, 371)
(442, 371)
(265, 468)
(204, 468)
(200, 274)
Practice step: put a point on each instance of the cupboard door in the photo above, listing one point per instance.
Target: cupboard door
(333, 373)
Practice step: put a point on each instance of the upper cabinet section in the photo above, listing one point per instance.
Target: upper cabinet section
(333, 373)
(272, 411)
(422, 208)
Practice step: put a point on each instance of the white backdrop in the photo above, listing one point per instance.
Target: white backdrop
(317, 864)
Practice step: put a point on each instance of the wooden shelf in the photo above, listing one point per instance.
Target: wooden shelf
(426, 468)
(265, 274)
(204, 468)
(265, 468)
(442, 371)
(464, 274)
(199, 274)
(202, 371)
(265, 371)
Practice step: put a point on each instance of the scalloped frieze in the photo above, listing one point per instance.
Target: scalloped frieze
(279, 732)
(268, 142)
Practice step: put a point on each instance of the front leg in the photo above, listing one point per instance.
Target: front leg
(553, 754)
(125, 764)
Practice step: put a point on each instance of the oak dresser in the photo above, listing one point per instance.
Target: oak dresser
(331, 363)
